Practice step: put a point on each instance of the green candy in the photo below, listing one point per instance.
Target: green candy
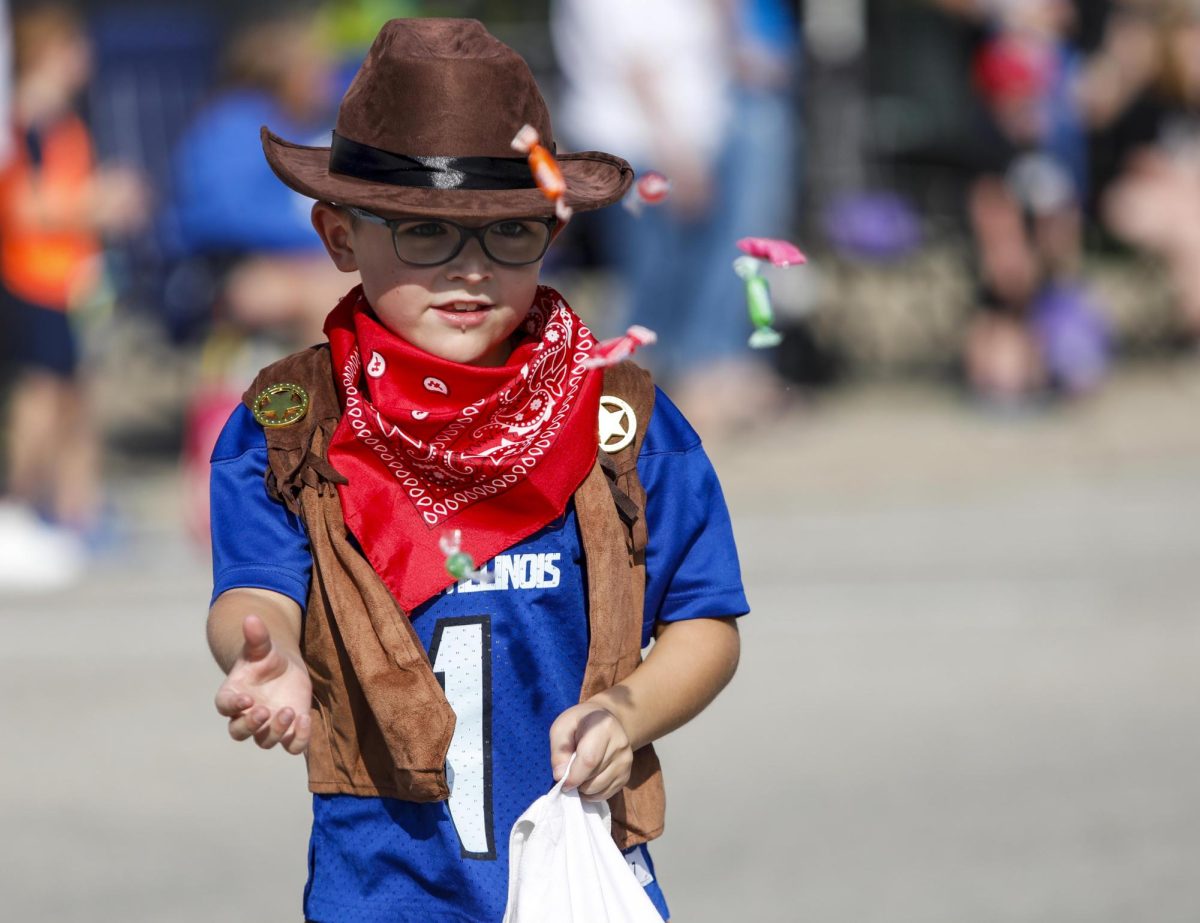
(758, 303)
(460, 565)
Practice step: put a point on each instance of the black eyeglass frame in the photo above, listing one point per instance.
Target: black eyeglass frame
(465, 233)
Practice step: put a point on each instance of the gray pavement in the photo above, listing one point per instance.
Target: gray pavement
(969, 690)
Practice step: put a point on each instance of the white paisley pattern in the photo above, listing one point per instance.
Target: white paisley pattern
(495, 442)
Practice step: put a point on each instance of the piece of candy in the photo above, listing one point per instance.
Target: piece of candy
(459, 564)
(546, 172)
(775, 252)
(758, 303)
(610, 352)
(651, 188)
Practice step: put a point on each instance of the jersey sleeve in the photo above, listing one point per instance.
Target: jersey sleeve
(692, 568)
(256, 541)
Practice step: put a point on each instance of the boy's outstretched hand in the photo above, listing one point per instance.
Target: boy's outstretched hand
(604, 755)
(267, 694)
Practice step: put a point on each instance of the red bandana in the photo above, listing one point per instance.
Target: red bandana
(428, 445)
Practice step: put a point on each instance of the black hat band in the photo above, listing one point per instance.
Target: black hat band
(352, 158)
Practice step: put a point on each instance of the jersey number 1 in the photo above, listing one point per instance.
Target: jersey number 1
(462, 661)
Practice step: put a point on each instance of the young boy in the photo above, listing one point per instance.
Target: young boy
(56, 203)
(453, 396)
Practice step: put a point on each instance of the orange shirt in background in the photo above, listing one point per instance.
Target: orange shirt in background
(52, 268)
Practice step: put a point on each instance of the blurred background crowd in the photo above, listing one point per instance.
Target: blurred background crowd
(1002, 194)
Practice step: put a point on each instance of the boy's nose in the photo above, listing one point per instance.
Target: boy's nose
(471, 264)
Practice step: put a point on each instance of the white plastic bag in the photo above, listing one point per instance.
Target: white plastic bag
(563, 866)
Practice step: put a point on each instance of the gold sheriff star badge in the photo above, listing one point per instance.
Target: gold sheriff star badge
(618, 424)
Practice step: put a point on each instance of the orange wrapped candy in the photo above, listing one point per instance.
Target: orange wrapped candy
(546, 173)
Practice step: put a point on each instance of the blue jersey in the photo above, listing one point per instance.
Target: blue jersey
(510, 655)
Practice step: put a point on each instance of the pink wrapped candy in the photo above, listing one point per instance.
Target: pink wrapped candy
(770, 250)
(610, 352)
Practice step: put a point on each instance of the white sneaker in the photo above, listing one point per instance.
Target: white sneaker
(36, 557)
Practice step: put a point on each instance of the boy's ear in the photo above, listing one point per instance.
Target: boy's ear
(333, 224)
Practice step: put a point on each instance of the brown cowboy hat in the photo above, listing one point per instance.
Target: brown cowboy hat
(427, 128)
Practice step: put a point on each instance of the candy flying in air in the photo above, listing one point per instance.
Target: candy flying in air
(773, 251)
(650, 189)
(546, 172)
(760, 250)
(459, 564)
(610, 352)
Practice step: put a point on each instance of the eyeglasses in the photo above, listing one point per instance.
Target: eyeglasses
(433, 241)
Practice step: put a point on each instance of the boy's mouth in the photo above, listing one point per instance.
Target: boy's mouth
(464, 315)
(464, 307)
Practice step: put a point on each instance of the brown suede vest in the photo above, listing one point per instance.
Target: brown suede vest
(381, 722)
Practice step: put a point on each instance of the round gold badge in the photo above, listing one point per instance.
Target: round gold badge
(618, 423)
(281, 405)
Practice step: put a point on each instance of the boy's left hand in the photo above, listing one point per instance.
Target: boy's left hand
(603, 758)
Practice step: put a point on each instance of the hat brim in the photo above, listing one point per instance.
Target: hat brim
(594, 179)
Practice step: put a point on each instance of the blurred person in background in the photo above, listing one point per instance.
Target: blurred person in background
(251, 256)
(55, 206)
(276, 70)
(657, 81)
(766, 58)
(1146, 83)
(1038, 325)
(766, 150)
